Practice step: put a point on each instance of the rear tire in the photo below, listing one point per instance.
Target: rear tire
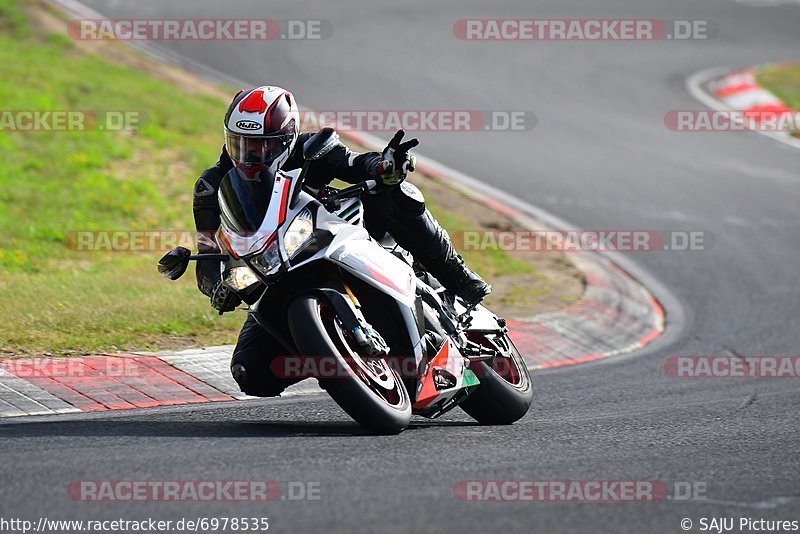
(506, 389)
(317, 332)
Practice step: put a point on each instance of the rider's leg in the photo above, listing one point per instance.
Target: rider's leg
(250, 364)
(401, 211)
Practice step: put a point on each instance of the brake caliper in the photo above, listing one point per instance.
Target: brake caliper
(370, 340)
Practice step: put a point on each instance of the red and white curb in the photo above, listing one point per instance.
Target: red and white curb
(738, 90)
(47, 386)
(615, 315)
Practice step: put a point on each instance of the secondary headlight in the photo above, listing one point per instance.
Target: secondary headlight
(269, 261)
(299, 232)
(240, 278)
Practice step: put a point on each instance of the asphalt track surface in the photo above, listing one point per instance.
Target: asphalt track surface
(601, 158)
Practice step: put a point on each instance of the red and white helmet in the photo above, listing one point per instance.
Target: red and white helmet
(261, 128)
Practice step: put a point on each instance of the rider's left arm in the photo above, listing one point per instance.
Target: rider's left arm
(341, 162)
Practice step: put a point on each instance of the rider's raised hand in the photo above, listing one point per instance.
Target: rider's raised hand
(396, 161)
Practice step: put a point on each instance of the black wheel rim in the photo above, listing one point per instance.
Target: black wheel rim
(508, 365)
(375, 373)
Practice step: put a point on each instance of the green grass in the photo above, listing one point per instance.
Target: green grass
(51, 183)
(783, 81)
(12, 19)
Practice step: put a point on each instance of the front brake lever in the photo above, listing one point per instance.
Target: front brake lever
(465, 319)
(348, 192)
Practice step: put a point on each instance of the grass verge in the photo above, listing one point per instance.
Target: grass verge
(782, 80)
(53, 183)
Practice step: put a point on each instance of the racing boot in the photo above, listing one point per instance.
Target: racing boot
(441, 259)
(415, 229)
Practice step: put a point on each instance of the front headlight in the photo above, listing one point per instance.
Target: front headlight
(240, 278)
(269, 261)
(299, 232)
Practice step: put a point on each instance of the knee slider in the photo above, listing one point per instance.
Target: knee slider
(263, 387)
(240, 375)
(408, 197)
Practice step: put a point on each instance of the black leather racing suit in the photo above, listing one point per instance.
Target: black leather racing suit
(400, 211)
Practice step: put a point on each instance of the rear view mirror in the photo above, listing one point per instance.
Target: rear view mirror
(174, 263)
(320, 144)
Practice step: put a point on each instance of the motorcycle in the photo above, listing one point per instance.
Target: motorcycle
(382, 337)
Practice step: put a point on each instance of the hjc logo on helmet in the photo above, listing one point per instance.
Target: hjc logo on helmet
(248, 125)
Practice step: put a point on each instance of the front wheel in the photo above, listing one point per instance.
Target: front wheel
(368, 389)
(506, 390)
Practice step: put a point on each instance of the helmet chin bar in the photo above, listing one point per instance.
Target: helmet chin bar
(253, 171)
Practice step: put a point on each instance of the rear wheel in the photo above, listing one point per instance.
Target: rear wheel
(506, 390)
(367, 388)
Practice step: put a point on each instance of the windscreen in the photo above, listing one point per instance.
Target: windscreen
(244, 201)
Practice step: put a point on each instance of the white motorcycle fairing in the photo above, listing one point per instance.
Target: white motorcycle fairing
(442, 376)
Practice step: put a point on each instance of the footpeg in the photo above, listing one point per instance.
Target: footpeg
(475, 352)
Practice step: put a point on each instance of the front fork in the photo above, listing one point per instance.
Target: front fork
(349, 311)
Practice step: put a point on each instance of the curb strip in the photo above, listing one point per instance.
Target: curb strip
(737, 90)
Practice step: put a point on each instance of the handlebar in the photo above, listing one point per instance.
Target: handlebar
(208, 257)
(352, 191)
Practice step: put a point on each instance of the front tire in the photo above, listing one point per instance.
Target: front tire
(371, 392)
(506, 389)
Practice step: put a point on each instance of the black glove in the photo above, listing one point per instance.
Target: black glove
(223, 298)
(396, 161)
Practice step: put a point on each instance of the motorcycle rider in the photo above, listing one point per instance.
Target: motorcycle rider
(261, 137)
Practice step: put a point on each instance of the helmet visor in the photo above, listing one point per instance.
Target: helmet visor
(249, 150)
